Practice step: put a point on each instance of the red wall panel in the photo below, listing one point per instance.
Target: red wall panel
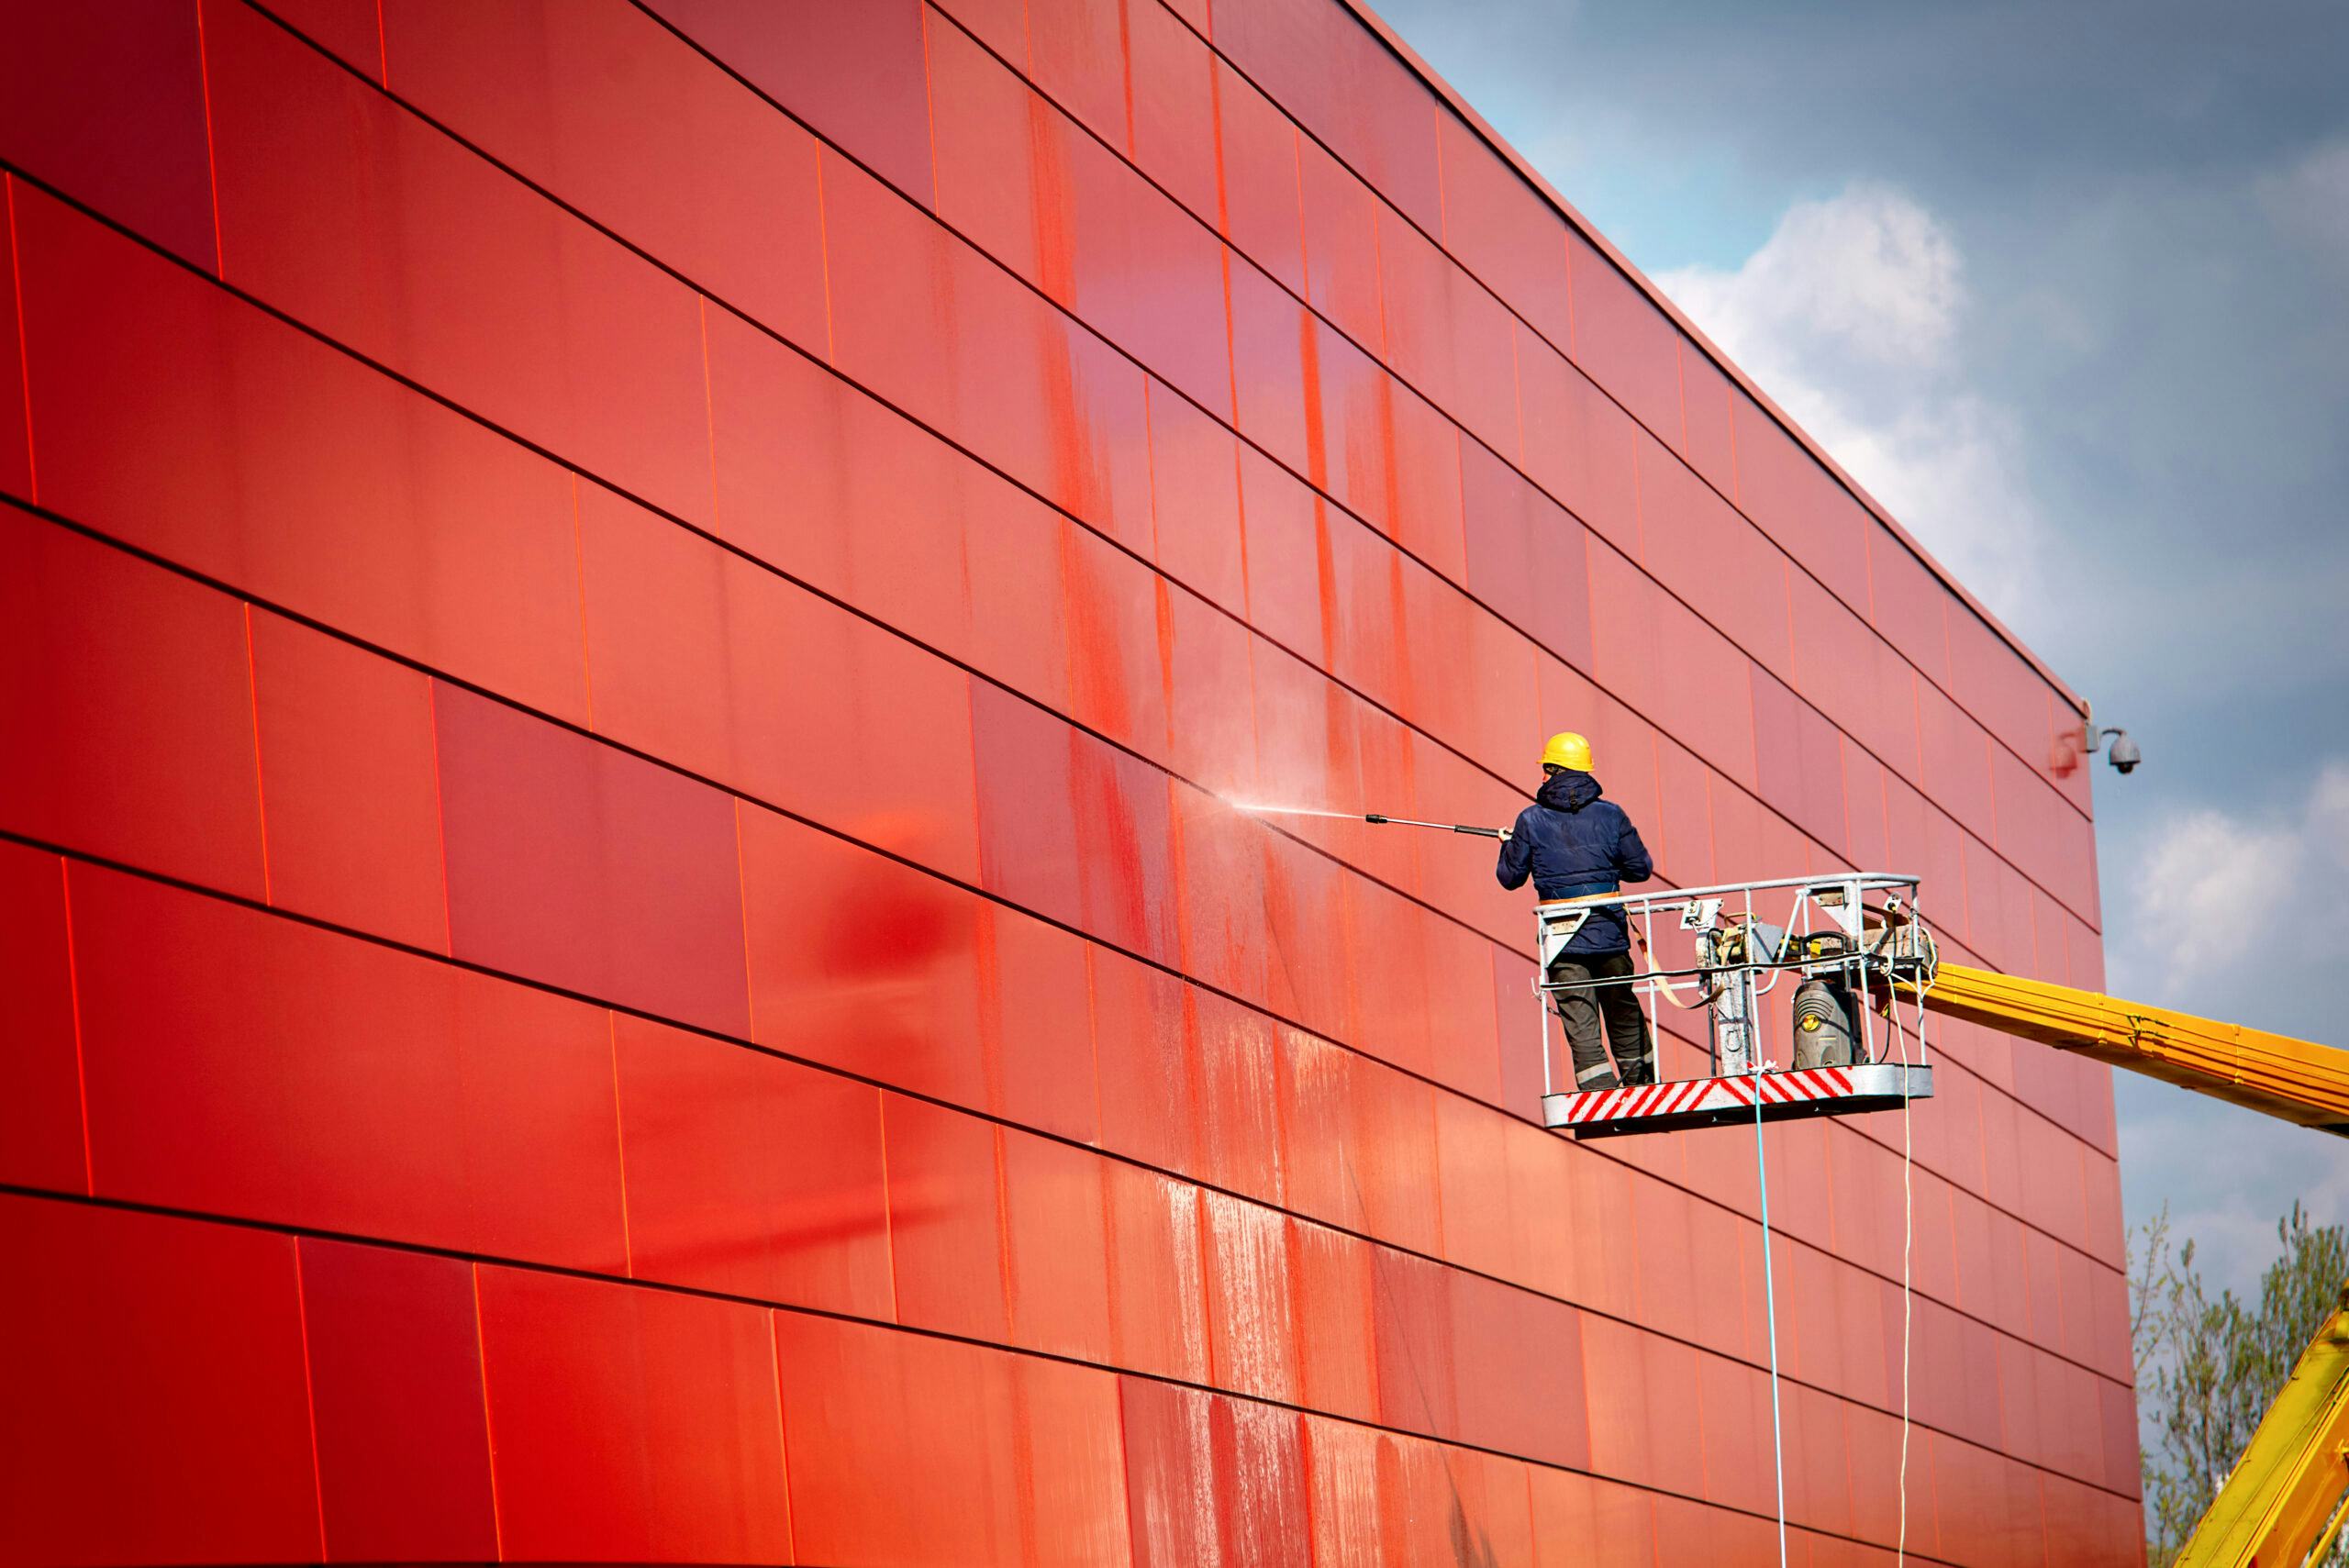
(1340, 221)
(702, 659)
(855, 79)
(185, 422)
(642, 1424)
(1068, 214)
(574, 864)
(992, 184)
(1194, 495)
(1261, 183)
(1249, 1293)
(1704, 407)
(349, 784)
(16, 419)
(1504, 233)
(1142, 1061)
(127, 696)
(912, 1449)
(1577, 445)
(1276, 388)
(946, 1222)
(1625, 341)
(1448, 335)
(1527, 557)
(396, 1380)
(1794, 500)
(1052, 1214)
(351, 30)
(1342, 86)
(1157, 1287)
(1575, 1516)
(859, 962)
(605, 107)
(993, 366)
(1178, 1479)
(160, 1349)
(111, 106)
(1696, 544)
(363, 222)
(41, 1120)
(641, 733)
(403, 1098)
(1234, 1060)
(1171, 76)
(716, 1199)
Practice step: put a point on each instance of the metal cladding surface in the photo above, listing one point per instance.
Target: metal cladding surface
(625, 630)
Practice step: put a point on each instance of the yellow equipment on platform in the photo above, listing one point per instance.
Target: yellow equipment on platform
(2285, 1501)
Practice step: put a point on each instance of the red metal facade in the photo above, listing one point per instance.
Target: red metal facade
(623, 632)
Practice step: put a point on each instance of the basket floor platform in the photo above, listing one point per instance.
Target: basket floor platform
(1786, 1095)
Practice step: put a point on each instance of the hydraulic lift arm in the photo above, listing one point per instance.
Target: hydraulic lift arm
(2291, 1485)
(2289, 1492)
(2293, 1079)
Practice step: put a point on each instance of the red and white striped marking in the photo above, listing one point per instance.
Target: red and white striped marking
(1708, 1094)
(1703, 1101)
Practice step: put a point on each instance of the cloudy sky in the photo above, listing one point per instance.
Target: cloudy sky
(2063, 284)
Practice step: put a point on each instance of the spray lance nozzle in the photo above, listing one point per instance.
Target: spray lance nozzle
(1468, 828)
(1378, 821)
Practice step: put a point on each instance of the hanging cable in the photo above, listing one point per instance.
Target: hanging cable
(1770, 1307)
(1907, 1241)
(1908, 1215)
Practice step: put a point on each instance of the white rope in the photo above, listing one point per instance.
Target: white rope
(1907, 1232)
(1907, 1240)
(1769, 1302)
(1908, 1225)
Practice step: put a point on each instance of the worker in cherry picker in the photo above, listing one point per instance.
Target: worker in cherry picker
(1574, 844)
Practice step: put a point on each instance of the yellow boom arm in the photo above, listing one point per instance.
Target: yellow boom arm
(2287, 1488)
(2285, 1077)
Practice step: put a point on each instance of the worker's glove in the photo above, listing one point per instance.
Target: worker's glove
(1505, 835)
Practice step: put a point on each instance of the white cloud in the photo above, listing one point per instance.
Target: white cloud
(2229, 915)
(2310, 199)
(1869, 275)
(2221, 905)
(2328, 815)
(2189, 897)
(1851, 315)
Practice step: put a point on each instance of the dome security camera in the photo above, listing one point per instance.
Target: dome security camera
(2121, 753)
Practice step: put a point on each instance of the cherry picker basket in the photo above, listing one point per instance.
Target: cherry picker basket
(1837, 946)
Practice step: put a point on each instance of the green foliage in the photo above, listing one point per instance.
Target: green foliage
(2208, 1368)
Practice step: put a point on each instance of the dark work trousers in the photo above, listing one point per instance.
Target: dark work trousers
(1618, 1005)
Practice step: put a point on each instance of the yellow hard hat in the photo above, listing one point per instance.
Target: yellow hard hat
(1567, 750)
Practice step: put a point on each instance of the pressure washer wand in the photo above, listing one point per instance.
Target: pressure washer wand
(1443, 827)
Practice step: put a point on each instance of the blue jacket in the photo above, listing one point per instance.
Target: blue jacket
(1572, 842)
